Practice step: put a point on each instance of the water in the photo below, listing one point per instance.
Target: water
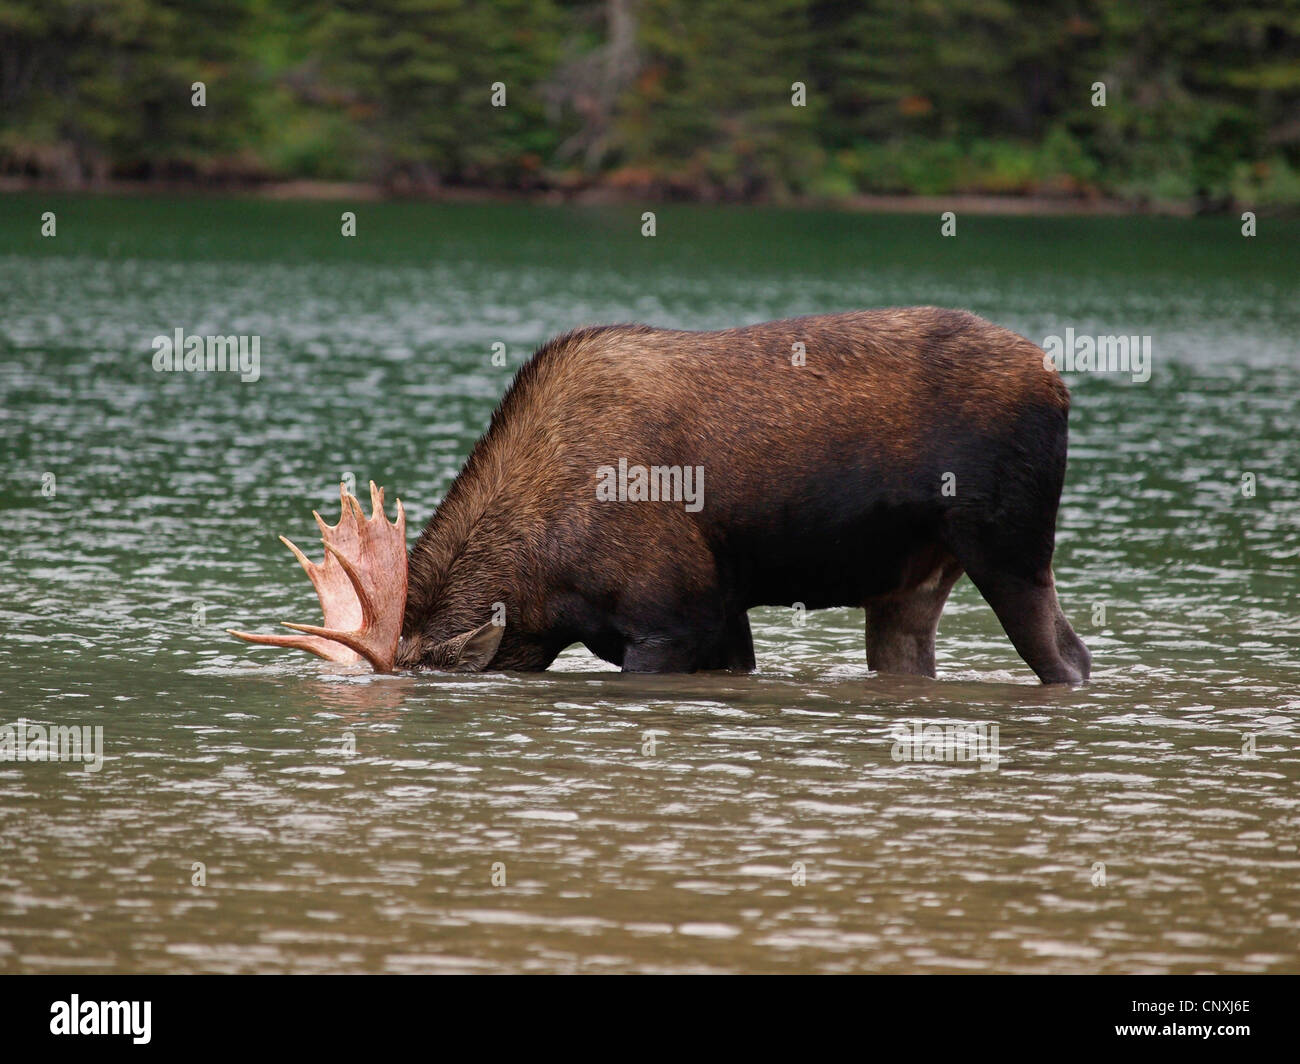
(169, 491)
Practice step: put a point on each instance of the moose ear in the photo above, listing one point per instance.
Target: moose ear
(473, 651)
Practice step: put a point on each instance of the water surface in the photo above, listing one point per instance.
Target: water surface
(348, 822)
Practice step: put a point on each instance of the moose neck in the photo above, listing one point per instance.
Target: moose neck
(464, 563)
(471, 555)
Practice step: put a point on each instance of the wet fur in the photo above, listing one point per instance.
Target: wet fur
(822, 485)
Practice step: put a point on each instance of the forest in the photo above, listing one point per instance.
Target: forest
(1160, 102)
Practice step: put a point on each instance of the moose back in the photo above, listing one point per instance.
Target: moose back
(639, 489)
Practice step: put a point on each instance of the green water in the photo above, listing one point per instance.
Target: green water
(349, 822)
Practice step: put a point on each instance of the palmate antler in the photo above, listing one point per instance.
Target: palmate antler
(361, 586)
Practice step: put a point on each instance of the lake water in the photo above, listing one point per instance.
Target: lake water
(342, 821)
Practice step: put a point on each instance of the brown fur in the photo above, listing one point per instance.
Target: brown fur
(822, 484)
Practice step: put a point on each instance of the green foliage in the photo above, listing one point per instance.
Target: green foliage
(92, 85)
(686, 97)
(417, 78)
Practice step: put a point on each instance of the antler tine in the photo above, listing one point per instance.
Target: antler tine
(363, 596)
(351, 506)
(307, 564)
(322, 648)
(361, 585)
(354, 641)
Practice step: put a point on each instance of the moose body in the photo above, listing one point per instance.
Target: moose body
(871, 466)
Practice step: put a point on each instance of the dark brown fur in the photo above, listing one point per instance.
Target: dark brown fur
(822, 485)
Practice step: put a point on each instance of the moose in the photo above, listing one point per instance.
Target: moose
(862, 459)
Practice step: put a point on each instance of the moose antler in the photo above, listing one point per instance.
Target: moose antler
(361, 585)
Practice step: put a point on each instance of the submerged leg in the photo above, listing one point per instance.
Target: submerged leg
(738, 648)
(666, 653)
(1032, 617)
(901, 626)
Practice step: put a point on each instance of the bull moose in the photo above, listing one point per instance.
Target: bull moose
(859, 459)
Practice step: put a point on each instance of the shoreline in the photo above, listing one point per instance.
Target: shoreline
(616, 196)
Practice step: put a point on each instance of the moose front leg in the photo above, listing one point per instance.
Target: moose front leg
(724, 645)
(738, 650)
(661, 653)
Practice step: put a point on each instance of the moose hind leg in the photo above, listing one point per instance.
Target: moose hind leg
(901, 626)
